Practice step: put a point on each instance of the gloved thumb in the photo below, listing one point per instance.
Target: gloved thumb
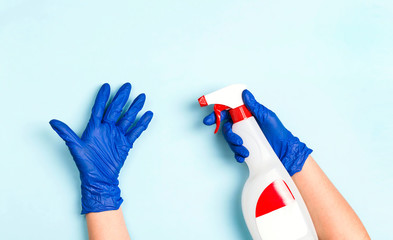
(259, 111)
(65, 132)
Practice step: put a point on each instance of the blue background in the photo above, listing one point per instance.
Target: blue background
(325, 67)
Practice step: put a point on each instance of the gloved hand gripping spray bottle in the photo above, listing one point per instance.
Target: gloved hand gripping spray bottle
(272, 205)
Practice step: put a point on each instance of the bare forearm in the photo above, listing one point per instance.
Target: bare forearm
(107, 225)
(332, 216)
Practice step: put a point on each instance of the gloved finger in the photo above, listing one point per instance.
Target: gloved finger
(211, 118)
(239, 150)
(230, 136)
(239, 158)
(258, 110)
(139, 127)
(100, 102)
(115, 108)
(65, 132)
(128, 119)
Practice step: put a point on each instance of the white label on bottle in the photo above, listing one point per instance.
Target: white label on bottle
(285, 223)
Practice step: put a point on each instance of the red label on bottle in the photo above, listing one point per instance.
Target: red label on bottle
(275, 196)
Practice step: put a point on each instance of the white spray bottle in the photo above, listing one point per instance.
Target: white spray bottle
(272, 205)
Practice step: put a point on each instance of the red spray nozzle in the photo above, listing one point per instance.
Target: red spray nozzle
(202, 101)
(228, 98)
(218, 108)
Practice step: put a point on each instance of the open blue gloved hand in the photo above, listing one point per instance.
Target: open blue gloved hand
(287, 147)
(101, 151)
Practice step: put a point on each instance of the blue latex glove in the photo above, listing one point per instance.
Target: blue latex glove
(287, 147)
(101, 151)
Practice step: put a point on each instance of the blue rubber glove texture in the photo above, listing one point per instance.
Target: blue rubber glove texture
(101, 151)
(287, 147)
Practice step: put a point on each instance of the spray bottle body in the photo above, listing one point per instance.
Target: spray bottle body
(272, 206)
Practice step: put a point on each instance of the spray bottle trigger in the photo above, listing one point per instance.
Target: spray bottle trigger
(218, 108)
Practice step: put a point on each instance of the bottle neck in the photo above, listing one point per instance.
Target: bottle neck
(240, 113)
(258, 165)
(255, 166)
(261, 155)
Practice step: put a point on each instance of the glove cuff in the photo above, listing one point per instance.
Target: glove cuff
(100, 199)
(296, 155)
